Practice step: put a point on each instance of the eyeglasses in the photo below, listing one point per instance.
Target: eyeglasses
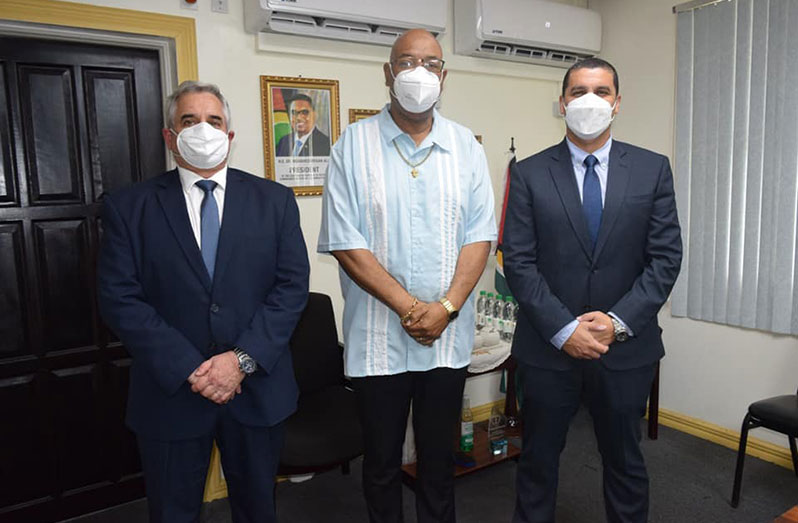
(434, 65)
(302, 112)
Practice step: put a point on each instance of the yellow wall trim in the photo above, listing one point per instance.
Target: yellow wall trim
(178, 28)
(728, 438)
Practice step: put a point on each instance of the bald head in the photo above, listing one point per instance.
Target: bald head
(416, 42)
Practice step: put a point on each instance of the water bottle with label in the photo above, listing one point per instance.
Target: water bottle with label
(489, 306)
(508, 313)
(481, 309)
(497, 306)
(466, 426)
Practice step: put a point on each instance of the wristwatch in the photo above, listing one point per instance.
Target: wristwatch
(621, 334)
(450, 309)
(246, 364)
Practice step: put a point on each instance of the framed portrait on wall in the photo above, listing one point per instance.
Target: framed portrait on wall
(300, 125)
(359, 114)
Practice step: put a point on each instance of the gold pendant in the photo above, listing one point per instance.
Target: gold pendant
(414, 172)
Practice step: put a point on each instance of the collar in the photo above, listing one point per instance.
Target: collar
(189, 178)
(308, 135)
(578, 155)
(437, 135)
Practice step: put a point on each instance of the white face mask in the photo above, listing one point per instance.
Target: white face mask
(202, 146)
(417, 89)
(588, 116)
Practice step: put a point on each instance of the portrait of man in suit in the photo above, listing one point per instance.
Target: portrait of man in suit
(592, 249)
(305, 139)
(203, 275)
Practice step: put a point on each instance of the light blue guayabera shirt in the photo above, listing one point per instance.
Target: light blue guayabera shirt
(415, 227)
(602, 169)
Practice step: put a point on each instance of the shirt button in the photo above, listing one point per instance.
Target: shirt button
(214, 307)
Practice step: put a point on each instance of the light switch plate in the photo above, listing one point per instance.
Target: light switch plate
(219, 6)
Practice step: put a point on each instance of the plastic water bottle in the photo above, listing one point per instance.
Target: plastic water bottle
(466, 426)
(489, 306)
(481, 309)
(508, 313)
(497, 306)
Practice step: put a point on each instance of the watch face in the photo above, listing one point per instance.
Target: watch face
(453, 315)
(248, 365)
(622, 336)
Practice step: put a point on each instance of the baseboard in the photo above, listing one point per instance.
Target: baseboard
(728, 438)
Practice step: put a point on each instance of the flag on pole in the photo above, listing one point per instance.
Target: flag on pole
(499, 281)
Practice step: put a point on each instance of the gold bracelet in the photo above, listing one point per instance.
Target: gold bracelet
(410, 312)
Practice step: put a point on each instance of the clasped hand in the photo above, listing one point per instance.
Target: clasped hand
(427, 322)
(592, 336)
(218, 378)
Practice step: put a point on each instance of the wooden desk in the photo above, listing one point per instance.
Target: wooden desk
(481, 453)
(791, 516)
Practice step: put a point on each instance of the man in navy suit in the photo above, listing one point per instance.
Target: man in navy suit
(203, 274)
(305, 139)
(592, 249)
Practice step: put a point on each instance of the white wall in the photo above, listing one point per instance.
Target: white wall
(712, 372)
(495, 99)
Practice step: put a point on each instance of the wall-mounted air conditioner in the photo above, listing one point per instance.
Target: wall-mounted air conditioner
(367, 21)
(535, 31)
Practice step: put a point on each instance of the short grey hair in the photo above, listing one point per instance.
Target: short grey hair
(190, 86)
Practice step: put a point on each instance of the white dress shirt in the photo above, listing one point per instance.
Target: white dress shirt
(194, 196)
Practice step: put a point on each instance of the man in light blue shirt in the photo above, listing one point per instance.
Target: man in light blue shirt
(408, 213)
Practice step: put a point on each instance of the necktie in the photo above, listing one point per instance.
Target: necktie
(591, 198)
(297, 147)
(209, 225)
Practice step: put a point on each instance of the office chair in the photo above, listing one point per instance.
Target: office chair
(325, 431)
(779, 413)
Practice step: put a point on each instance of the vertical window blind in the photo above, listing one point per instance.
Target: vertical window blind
(736, 163)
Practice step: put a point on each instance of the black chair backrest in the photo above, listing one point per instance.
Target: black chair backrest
(318, 359)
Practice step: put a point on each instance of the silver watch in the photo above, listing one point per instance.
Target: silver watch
(246, 364)
(621, 334)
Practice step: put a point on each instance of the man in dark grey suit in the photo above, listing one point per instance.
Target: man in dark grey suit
(305, 138)
(592, 249)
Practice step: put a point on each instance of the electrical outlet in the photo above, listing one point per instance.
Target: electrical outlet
(219, 6)
(188, 4)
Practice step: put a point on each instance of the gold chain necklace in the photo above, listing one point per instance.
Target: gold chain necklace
(413, 170)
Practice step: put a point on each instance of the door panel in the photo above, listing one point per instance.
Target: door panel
(62, 257)
(7, 190)
(13, 326)
(76, 121)
(112, 129)
(50, 129)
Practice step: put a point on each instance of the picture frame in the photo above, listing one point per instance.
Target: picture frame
(300, 125)
(360, 114)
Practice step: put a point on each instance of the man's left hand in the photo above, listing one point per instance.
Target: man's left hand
(218, 378)
(599, 325)
(427, 322)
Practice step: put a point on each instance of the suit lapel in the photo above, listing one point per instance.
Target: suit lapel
(617, 182)
(562, 172)
(170, 195)
(232, 221)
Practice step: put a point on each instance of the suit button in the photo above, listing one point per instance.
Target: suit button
(214, 307)
(594, 271)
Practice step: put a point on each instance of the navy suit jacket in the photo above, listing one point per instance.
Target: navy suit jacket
(555, 274)
(318, 144)
(156, 295)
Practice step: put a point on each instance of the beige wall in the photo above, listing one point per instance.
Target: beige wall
(711, 371)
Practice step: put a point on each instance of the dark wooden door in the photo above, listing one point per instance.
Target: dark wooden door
(76, 121)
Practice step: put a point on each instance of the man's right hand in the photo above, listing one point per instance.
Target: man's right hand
(582, 345)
